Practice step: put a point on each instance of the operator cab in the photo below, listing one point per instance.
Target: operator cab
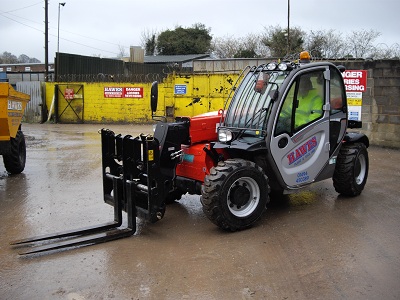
(294, 113)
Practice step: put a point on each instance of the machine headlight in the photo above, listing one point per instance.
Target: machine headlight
(224, 135)
(285, 66)
(271, 66)
(282, 67)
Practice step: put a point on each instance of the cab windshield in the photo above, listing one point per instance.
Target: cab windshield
(251, 103)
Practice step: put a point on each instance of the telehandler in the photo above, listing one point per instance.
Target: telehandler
(12, 140)
(284, 128)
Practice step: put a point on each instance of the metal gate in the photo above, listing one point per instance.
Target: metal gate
(69, 103)
(33, 110)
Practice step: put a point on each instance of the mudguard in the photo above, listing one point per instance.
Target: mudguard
(356, 137)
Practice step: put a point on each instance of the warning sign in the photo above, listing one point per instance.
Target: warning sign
(113, 92)
(133, 92)
(69, 94)
(354, 102)
(354, 98)
(355, 80)
(123, 92)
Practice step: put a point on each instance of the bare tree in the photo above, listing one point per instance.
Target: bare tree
(23, 58)
(360, 43)
(121, 51)
(334, 45)
(324, 44)
(250, 46)
(149, 42)
(8, 58)
(315, 42)
(273, 41)
(224, 47)
(253, 43)
(34, 60)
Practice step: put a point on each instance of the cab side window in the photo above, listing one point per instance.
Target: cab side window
(303, 104)
(310, 99)
(337, 92)
(285, 118)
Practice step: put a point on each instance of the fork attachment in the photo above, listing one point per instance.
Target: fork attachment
(132, 182)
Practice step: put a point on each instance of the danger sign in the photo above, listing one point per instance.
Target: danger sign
(69, 94)
(355, 80)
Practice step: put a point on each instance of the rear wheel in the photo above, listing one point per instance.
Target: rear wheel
(235, 194)
(351, 170)
(15, 161)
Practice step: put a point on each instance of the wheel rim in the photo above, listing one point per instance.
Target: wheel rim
(360, 169)
(243, 197)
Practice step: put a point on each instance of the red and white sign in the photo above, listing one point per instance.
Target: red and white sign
(123, 92)
(355, 80)
(113, 92)
(69, 94)
(133, 92)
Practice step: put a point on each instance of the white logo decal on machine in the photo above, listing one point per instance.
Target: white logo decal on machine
(302, 151)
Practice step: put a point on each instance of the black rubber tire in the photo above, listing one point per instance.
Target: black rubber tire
(15, 161)
(351, 171)
(231, 182)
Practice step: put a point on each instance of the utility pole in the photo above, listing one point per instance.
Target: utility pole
(58, 42)
(58, 34)
(288, 27)
(46, 40)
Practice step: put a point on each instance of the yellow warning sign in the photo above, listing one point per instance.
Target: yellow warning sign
(354, 102)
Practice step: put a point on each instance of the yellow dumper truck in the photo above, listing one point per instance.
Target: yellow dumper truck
(12, 140)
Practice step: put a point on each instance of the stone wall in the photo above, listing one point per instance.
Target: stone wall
(381, 101)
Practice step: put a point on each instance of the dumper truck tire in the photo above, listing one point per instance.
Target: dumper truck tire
(234, 194)
(351, 170)
(15, 161)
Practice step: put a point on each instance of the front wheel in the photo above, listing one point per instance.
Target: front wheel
(235, 194)
(351, 169)
(15, 161)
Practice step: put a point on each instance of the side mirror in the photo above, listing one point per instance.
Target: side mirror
(341, 68)
(154, 96)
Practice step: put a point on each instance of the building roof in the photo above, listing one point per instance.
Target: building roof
(158, 59)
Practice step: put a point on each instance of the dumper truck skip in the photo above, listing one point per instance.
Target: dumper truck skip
(12, 140)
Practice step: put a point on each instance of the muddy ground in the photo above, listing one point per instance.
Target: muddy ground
(312, 244)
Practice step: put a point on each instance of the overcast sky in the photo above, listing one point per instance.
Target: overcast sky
(100, 27)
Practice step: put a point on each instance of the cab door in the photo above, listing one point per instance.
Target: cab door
(300, 140)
